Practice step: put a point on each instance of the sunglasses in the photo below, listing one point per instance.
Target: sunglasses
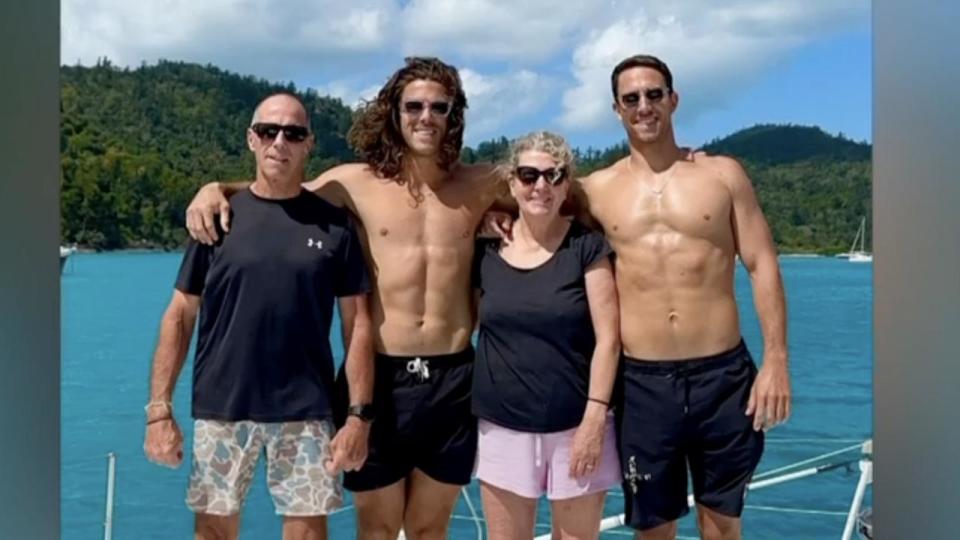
(291, 133)
(437, 108)
(653, 95)
(528, 176)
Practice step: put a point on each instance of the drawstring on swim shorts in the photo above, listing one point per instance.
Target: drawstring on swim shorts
(419, 366)
(538, 450)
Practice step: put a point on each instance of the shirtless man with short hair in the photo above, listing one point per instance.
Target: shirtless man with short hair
(692, 394)
(419, 208)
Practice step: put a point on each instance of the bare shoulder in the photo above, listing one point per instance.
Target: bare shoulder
(601, 178)
(476, 181)
(478, 174)
(726, 169)
(722, 165)
(346, 173)
(339, 185)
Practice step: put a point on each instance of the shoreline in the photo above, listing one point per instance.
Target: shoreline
(139, 249)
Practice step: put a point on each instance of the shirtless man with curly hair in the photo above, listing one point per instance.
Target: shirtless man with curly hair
(418, 208)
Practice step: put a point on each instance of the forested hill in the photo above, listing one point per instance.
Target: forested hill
(136, 144)
(814, 187)
(779, 144)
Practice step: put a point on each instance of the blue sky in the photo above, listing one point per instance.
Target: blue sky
(827, 83)
(525, 64)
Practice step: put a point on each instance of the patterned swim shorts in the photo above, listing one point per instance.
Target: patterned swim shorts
(226, 453)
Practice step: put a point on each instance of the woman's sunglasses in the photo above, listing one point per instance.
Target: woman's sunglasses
(528, 175)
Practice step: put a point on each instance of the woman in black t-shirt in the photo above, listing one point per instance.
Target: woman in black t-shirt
(547, 355)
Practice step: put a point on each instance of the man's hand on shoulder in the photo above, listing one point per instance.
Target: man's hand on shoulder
(496, 224)
(201, 214)
(694, 154)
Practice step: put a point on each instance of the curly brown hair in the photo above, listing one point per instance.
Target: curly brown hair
(375, 135)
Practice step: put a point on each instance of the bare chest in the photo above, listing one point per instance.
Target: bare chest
(391, 217)
(689, 209)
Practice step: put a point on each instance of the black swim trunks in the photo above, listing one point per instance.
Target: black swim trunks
(423, 421)
(686, 412)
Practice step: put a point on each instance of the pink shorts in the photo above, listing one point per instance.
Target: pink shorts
(533, 464)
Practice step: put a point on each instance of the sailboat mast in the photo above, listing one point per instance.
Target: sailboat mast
(853, 247)
(863, 236)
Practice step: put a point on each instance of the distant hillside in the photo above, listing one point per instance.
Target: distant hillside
(780, 144)
(136, 144)
(814, 187)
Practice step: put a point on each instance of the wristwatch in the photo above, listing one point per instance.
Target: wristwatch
(363, 412)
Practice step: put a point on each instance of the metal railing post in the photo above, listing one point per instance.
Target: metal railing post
(111, 482)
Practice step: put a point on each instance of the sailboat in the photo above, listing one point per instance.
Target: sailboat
(859, 255)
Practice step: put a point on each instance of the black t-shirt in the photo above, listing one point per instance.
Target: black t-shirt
(267, 290)
(536, 337)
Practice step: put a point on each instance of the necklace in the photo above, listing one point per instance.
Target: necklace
(657, 192)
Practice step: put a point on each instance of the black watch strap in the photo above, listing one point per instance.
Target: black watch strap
(363, 412)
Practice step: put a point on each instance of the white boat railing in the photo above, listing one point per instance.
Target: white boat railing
(111, 485)
(761, 480)
(866, 478)
(771, 478)
(477, 520)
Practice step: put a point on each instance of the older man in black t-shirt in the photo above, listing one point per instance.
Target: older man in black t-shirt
(263, 372)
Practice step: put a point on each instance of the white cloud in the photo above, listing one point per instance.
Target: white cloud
(249, 36)
(348, 92)
(713, 52)
(495, 29)
(520, 51)
(361, 30)
(496, 100)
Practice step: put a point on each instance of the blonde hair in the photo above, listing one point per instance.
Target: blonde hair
(557, 148)
(540, 141)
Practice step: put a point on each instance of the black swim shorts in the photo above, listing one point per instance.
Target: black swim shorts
(423, 420)
(684, 412)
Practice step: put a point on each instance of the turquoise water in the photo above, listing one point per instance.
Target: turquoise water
(111, 307)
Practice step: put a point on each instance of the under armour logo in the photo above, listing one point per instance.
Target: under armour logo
(315, 243)
(633, 476)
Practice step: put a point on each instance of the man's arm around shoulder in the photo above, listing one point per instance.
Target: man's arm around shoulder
(209, 201)
(335, 184)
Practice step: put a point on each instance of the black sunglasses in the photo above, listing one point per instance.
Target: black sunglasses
(653, 95)
(292, 133)
(528, 175)
(437, 108)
